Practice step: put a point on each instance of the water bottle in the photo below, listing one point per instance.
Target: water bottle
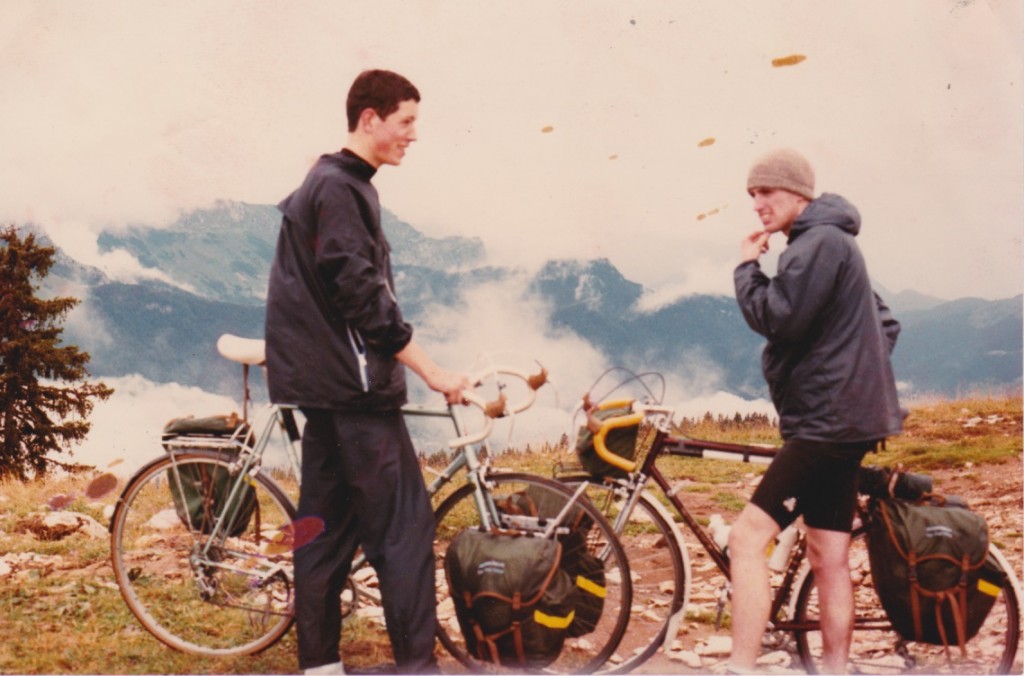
(719, 532)
(783, 546)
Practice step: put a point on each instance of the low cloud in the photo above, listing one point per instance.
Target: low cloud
(84, 326)
(723, 403)
(127, 427)
(496, 324)
(80, 242)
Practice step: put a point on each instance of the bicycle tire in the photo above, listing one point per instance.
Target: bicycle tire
(584, 654)
(658, 566)
(236, 601)
(877, 648)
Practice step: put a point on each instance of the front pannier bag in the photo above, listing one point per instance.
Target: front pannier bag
(584, 569)
(513, 601)
(621, 441)
(932, 569)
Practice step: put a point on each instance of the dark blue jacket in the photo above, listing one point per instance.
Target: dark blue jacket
(333, 323)
(829, 335)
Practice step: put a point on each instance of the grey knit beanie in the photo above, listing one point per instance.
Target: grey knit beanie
(783, 168)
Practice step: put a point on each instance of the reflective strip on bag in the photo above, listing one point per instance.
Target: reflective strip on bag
(987, 587)
(591, 587)
(553, 621)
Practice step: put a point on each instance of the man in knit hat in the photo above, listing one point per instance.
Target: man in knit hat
(829, 374)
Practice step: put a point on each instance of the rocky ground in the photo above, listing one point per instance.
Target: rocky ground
(994, 490)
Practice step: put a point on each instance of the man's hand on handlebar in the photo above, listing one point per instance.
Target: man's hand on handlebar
(452, 385)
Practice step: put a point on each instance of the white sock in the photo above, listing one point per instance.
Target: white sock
(333, 669)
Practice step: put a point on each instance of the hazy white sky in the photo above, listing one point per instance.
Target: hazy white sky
(550, 129)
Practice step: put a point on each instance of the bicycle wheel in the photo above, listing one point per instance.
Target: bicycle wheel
(658, 566)
(220, 595)
(877, 648)
(581, 654)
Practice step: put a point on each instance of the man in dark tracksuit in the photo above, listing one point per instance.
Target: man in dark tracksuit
(828, 370)
(337, 347)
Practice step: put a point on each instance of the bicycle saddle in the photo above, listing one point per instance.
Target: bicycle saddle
(242, 350)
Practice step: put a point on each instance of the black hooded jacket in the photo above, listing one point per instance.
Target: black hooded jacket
(829, 335)
(333, 324)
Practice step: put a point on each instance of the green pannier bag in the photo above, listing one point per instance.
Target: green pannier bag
(932, 569)
(210, 426)
(621, 441)
(202, 495)
(513, 601)
(584, 569)
(200, 490)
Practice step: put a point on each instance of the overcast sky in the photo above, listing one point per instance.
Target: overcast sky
(549, 129)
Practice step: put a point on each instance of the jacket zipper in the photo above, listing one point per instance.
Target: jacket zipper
(355, 340)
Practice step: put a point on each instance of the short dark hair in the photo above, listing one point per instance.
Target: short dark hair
(380, 90)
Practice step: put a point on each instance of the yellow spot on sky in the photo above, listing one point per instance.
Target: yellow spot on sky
(710, 213)
(706, 142)
(790, 60)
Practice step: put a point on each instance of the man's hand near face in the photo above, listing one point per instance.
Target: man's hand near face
(753, 245)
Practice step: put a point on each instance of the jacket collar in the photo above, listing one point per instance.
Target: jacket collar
(356, 164)
(828, 209)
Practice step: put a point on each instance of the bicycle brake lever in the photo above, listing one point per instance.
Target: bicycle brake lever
(496, 408)
(537, 380)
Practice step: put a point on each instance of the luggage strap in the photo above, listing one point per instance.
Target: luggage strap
(955, 597)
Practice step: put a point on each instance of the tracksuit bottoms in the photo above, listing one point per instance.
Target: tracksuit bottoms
(361, 476)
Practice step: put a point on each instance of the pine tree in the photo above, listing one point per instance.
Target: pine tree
(44, 397)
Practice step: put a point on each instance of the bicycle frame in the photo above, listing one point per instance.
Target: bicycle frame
(239, 527)
(468, 457)
(648, 471)
(251, 352)
(249, 449)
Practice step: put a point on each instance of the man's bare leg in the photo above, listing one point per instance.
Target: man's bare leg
(829, 556)
(751, 586)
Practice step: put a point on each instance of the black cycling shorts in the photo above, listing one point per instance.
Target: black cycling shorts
(817, 479)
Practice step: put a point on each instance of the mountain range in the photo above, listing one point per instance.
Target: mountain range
(210, 274)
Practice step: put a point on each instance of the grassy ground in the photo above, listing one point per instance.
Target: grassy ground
(60, 611)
